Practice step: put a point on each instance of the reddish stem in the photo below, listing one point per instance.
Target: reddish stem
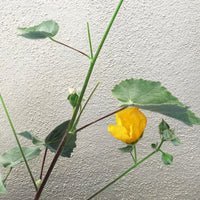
(100, 119)
(37, 195)
(43, 162)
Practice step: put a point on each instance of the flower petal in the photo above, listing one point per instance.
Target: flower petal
(131, 123)
(119, 132)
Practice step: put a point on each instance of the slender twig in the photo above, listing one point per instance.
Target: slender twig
(19, 145)
(90, 43)
(100, 119)
(77, 120)
(135, 153)
(93, 61)
(4, 181)
(43, 162)
(123, 174)
(132, 156)
(70, 47)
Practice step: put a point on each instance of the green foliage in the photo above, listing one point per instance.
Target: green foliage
(152, 96)
(176, 141)
(163, 126)
(38, 183)
(53, 140)
(127, 149)
(41, 31)
(35, 140)
(167, 158)
(13, 156)
(73, 98)
(2, 187)
(168, 134)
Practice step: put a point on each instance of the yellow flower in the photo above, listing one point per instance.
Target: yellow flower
(131, 123)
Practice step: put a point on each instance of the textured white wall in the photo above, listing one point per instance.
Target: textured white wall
(157, 40)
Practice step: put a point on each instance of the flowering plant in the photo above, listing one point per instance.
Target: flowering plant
(133, 94)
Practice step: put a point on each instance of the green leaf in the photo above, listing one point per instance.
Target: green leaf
(176, 141)
(38, 183)
(163, 126)
(41, 31)
(35, 140)
(152, 96)
(2, 187)
(168, 135)
(73, 98)
(167, 158)
(13, 156)
(53, 140)
(126, 149)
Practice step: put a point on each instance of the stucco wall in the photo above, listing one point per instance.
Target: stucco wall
(156, 40)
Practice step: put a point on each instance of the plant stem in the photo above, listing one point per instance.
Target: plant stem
(132, 157)
(135, 153)
(77, 120)
(85, 126)
(123, 174)
(19, 145)
(7, 175)
(43, 162)
(90, 43)
(37, 196)
(70, 47)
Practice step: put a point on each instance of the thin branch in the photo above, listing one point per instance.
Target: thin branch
(70, 47)
(90, 42)
(43, 162)
(100, 119)
(7, 175)
(19, 145)
(135, 153)
(132, 157)
(75, 124)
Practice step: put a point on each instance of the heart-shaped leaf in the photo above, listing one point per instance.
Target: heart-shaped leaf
(152, 96)
(2, 187)
(35, 140)
(53, 140)
(41, 31)
(13, 156)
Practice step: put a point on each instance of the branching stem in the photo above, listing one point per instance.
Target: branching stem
(123, 174)
(93, 61)
(70, 47)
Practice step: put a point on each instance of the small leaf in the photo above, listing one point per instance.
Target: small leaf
(176, 141)
(73, 98)
(2, 187)
(168, 135)
(154, 145)
(35, 140)
(167, 158)
(53, 140)
(38, 183)
(152, 96)
(163, 126)
(13, 156)
(41, 31)
(126, 149)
